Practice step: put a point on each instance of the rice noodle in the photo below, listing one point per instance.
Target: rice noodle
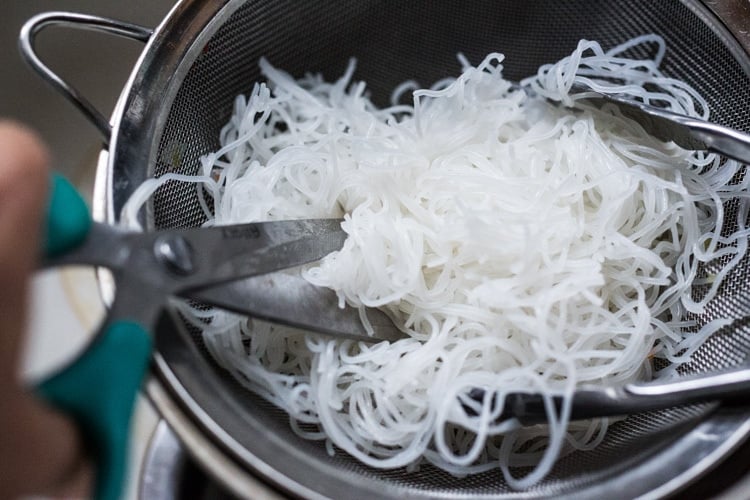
(523, 246)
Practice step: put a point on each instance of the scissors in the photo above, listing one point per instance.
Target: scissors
(98, 388)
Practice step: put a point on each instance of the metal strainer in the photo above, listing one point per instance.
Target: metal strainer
(179, 97)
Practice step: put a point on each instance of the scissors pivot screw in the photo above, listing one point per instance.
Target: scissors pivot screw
(175, 253)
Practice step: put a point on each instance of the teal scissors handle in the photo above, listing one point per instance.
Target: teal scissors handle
(98, 389)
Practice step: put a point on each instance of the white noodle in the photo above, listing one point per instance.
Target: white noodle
(523, 246)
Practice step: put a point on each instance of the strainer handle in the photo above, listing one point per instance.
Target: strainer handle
(79, 21)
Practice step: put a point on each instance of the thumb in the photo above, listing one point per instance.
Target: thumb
(39, 448)
(23, 191)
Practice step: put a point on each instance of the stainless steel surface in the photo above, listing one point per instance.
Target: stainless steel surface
(163, 466)
(174, 476)
(529, 408)
(204, 450)
(287, 298)
(149, 267)
(689, 133)
(728, 386)
(96, 64)
(170, 474)
(595, 402)
(79, 21)
(205, 53)
(175, 252)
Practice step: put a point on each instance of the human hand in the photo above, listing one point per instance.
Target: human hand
(40, 449)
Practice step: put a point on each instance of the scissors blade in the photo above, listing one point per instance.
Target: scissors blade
(227, 253)
(174, 261)
(285, 297)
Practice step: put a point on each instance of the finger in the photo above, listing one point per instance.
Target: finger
(39, 448)
(23, 190)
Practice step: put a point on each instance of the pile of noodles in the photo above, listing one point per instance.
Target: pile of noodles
(520, 244)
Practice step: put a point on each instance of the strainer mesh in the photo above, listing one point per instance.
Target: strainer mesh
(394, 42)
